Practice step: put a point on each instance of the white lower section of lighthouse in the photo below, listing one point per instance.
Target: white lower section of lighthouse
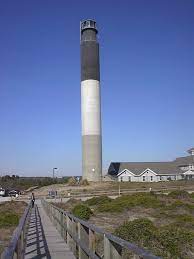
(91, 130)
(90, 106)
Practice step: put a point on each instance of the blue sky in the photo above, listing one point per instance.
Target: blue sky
(147, 82)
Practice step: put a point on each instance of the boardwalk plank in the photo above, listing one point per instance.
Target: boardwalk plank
(43, 239)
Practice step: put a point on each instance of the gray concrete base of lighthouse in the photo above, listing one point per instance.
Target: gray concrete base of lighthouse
(92, 157)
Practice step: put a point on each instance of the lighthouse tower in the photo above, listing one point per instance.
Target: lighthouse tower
(90, 102)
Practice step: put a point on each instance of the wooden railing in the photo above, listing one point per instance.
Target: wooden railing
(82, 239)
(115, 192)
(16, 247)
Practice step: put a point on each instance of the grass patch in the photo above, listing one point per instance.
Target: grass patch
(10, 213)
(84, 182)
(171, 239)
(179, 194)
(98, 200)
(162, 224)
(192, 195)
(119, 204)
(9, 219)
(180, 204)
(69, 205)
(184, 221)
(165, 241)
(139, 231)
(82, 211)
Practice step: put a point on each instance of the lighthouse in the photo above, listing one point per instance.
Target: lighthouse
(90, 102)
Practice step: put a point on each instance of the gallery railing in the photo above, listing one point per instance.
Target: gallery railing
(16, 247)
(83, 237)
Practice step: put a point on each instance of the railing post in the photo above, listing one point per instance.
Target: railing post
(59, 221)
(73, 230)
(51, 207)
(56, 218)
(65, 227)
(68, 221)
(22, 244)
(111, 250)
(83, 234)
(53, 216)
(15, 255)
(58, 224)
(92, 240)
(18, 248)
(62, 224)
(53, 213)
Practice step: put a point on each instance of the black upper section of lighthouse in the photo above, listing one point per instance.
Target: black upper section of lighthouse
(90, 67)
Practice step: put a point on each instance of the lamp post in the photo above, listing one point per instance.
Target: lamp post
(55, 168)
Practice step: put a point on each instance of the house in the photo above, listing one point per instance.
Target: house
(180, 168)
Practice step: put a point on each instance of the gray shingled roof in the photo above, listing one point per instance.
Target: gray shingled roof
(187, 160)
(161, 168)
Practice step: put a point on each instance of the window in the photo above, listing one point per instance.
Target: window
(151, 178)
(121, 178)
(160, 178)
(144, 178)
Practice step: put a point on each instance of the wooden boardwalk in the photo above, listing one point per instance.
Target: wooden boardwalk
(43, 239)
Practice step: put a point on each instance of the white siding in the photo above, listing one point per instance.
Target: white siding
(189, 172)
(127, 176)
(166, 177)
(147, 176)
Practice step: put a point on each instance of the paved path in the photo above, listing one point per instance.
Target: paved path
(43, 239)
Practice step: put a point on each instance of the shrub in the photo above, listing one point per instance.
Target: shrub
(72, 181)
(68, 205)
(172, 238)
(176, 204)
(139, 231)
(128, 201)
(9, 219)
(180, 204)
(81, 211)
(110, 207)
(165, 241)
(178, 194)
(84, 182)
(184, 220)
(98, 200)
(147, 200)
